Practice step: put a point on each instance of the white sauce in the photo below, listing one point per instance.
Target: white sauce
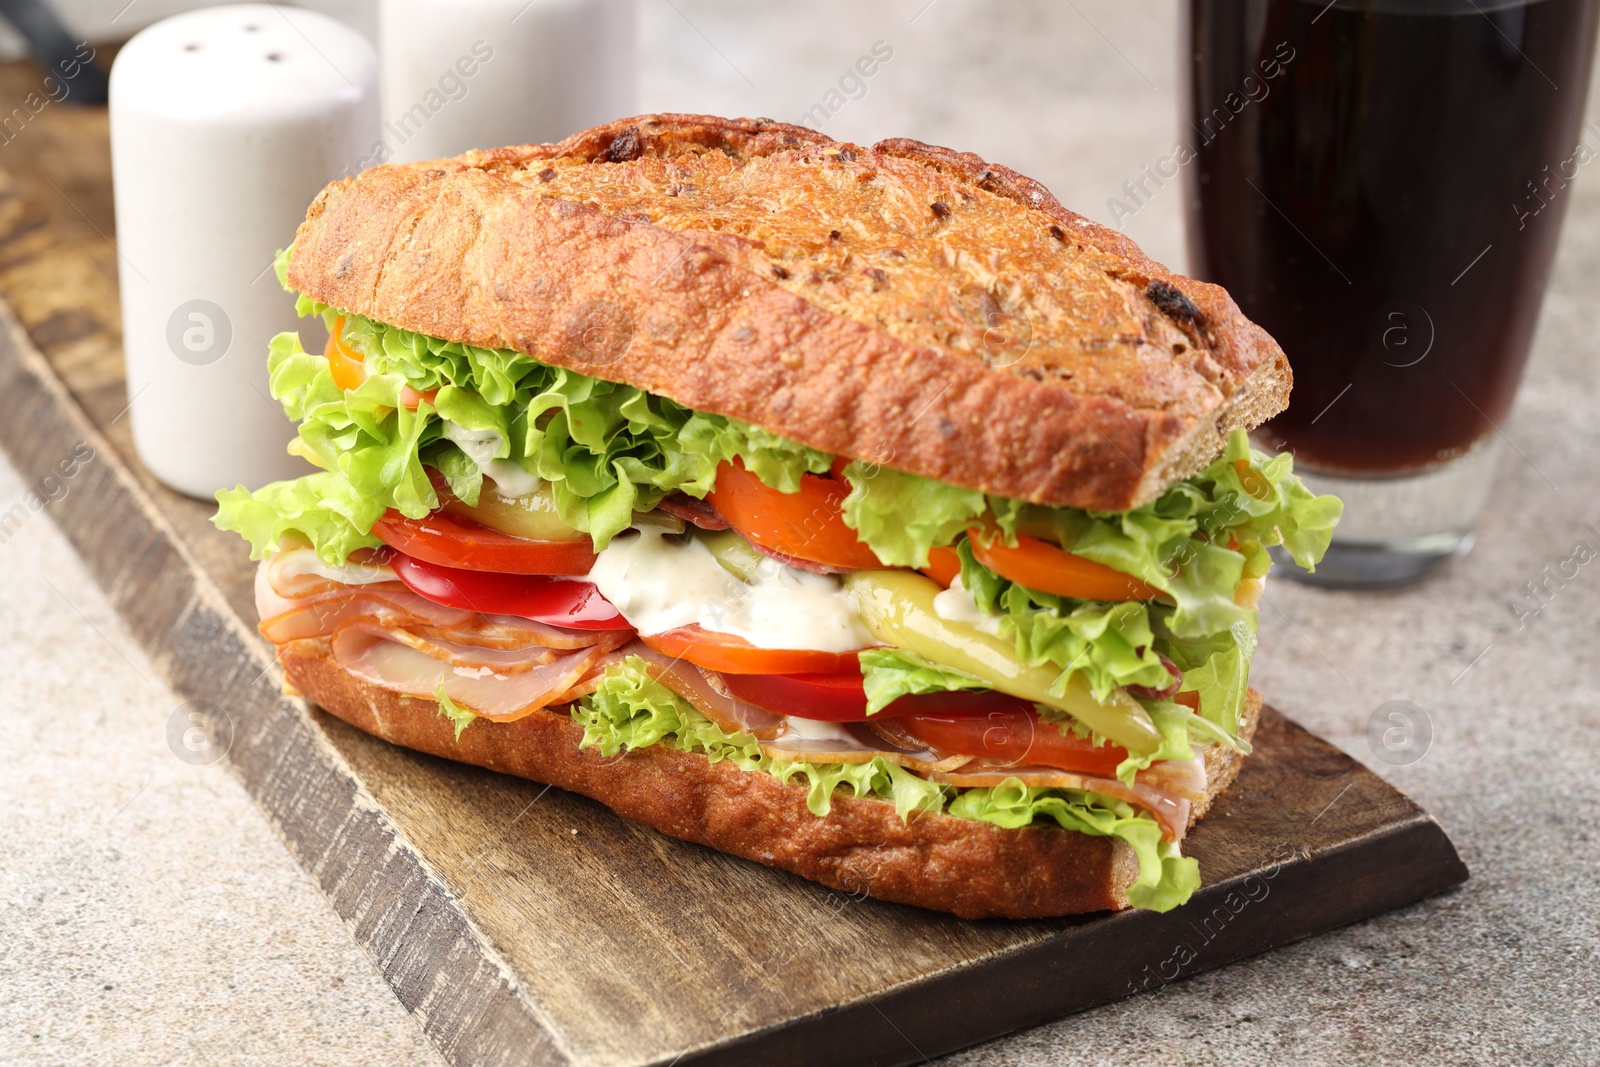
(817, 730)
(659, 585)
(957, 605)
(480, 446)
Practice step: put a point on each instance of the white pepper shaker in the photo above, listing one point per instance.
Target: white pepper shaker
(225, 123)
(462, 74)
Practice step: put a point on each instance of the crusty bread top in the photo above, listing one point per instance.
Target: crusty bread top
(905, 304)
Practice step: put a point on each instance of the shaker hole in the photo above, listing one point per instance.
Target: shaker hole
(192, 46)
(275, 57)
(251, 27)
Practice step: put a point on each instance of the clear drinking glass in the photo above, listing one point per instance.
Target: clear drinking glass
(1380, 184)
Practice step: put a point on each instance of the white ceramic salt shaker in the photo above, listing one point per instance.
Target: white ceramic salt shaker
(461, 74)
(225, 123)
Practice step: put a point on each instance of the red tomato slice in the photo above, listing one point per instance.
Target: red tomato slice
(829, 697)
(557, 601)
(806, 525)
(734, 655)
(348, 368)
(1040, 565)
(842, 697)
(1019, 738)
(452, 541)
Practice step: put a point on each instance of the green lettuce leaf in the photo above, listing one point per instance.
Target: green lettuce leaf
(1110, 643)
(459, 716)
(1217, 667)
(631, 710)
(1172, 723)
(320, 509)
(364, 434)
(903, 516)
(607, 449)
(1178, 543)
(460, 472)
(1180, 729)
(891, 673)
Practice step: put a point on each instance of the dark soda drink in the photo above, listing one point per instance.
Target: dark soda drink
(1380, 185)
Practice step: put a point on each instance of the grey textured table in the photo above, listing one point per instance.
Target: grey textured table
(148, 915)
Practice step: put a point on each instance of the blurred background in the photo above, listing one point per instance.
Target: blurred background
(1026, 82)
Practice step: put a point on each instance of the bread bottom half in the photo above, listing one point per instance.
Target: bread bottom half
(972, 869)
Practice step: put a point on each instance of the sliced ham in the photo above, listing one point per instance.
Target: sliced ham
(825, 742)
(854, 742)
(508, 631)
(321, 615)
(297, 573)
(458, 654)
(392, 604)
(1184, 778)
(372, 654)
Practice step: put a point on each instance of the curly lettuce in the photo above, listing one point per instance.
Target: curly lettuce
(1180, 729)
(459, 717)
(630, 710)
(902, 516)
(1109, 642)
(1216, 667)
(607, 450)
(1117, 644)
(1194, 543)
(891, 673)
(320, 509)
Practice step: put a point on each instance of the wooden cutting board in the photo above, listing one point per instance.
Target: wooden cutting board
(526, 925)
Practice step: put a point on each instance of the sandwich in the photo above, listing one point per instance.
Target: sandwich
(862, 512)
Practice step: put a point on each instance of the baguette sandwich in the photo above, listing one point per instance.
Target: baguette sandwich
(859, 511)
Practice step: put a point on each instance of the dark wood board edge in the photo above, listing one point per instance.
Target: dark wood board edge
(444, 972)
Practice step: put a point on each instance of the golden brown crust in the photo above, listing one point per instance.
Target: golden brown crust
(905, 304)
(973, 869)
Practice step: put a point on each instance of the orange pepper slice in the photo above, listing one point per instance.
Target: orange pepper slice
(1040, 565)
(348, 368)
